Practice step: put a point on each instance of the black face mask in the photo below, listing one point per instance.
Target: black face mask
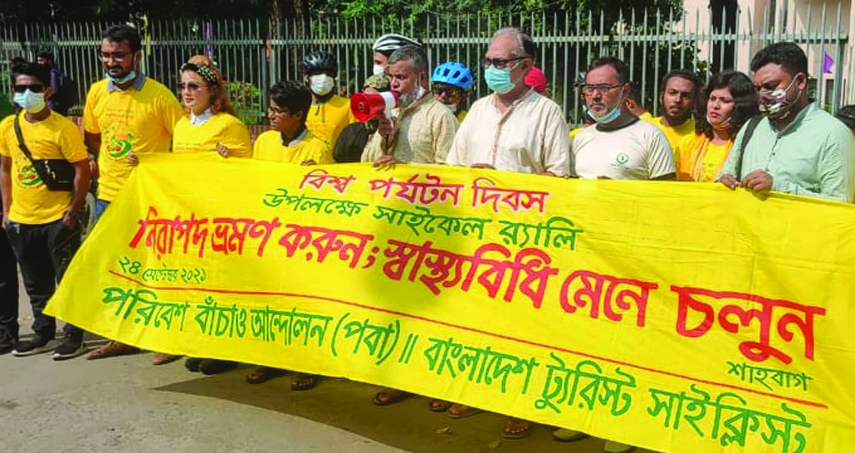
(372, 125)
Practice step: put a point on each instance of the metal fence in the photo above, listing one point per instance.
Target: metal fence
(254, 54)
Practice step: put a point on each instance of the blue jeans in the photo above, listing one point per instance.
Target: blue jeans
(44, 251)
(100, 207)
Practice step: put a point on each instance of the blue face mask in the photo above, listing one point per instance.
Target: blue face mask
(130, 76)
(609, 116)
(498, 80)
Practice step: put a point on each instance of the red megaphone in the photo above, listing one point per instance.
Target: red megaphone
(366, 106)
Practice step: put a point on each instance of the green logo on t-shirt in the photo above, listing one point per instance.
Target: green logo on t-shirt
(622, 159)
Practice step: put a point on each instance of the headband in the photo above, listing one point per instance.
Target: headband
(203, 71)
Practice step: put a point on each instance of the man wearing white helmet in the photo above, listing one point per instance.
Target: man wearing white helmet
(385, 46)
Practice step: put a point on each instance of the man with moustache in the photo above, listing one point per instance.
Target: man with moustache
(680, 90)
(126, 113)
(421, 129)
(797, 147)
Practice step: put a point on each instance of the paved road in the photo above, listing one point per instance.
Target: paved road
(125, 404)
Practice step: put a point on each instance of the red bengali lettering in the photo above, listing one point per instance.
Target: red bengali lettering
(749, 311)
(606, 294)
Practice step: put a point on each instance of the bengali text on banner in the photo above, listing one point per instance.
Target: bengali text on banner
(672, 316)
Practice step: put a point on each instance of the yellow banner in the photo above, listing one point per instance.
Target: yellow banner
(672, 316)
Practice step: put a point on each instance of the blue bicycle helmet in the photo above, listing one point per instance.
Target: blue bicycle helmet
(453, 73)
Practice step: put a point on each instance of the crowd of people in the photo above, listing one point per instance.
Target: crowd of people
(761, 133)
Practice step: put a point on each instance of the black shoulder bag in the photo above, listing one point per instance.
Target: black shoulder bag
(57, 174)
(749, 131)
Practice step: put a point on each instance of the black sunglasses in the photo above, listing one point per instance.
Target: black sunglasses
(35, 88)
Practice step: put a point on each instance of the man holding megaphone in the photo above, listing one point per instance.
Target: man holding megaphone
(413, 126)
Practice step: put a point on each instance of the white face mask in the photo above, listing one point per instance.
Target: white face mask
(31, 102)
(321, 84)
(379, 69)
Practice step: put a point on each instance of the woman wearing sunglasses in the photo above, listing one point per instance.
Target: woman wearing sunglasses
(211, 123)
(450, 85)
(726, 104)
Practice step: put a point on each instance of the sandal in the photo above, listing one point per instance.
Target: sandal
(386, 397)
(263, 374)
(516, 429)
(462, 411)
(440, 405)
(305, 382)
(112, 349)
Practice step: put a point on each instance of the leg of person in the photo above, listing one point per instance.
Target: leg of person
(192, 364)
(389, 396)
(111, 348)
(617, 447)
(462, 411)
(263, 374)
(100, 207)
(160, 358)
(516, 429)
(63, 243)
(568, 435)
(305, 382)
(8, 296)
(29, 243)
(439, 405)
(215, 366)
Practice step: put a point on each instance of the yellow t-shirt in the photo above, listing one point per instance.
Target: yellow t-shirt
(55, 137)
(268, 146)
(461, 115)
(699, 160)
(327, 120)
(220, 128)
(575, 131)
(646, 116)
(674, 134)
(141, 120)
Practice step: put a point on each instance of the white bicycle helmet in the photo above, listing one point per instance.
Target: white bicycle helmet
(391, 42)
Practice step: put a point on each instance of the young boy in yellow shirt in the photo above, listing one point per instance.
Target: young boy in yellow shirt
(289, 140)
(41, 205)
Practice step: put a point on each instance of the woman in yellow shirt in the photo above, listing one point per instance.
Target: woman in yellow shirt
(210, 123)
(728, 102)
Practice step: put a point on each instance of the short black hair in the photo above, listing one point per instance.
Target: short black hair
(744, 95)
(46, 55)
(292, 95)
(619, 66)
(847, 115)
(789, 55)
(119, 33)
(40, 71)
(683, 74)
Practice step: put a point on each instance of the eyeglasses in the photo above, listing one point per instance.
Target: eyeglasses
(448, 91)
(275, 111)
(189, 86)
(117, 56)
(35, 88)
(499, 63)
(602, 88)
